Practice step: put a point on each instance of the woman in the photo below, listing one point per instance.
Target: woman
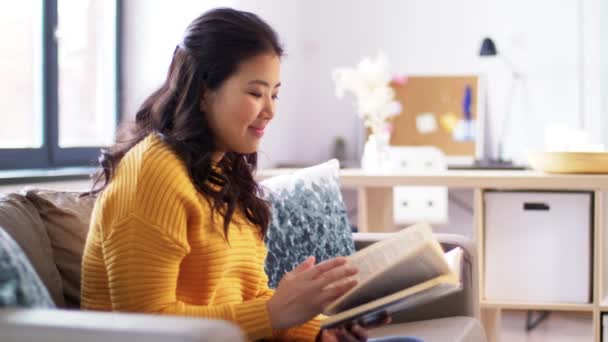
(178, 225)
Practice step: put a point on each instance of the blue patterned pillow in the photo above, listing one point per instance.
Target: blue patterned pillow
(19, 283)
(308, 218)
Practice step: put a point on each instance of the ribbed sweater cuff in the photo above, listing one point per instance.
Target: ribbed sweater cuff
(252, 316)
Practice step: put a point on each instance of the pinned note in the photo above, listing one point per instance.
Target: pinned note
(426, 123)
(449, 121)
(400, 79)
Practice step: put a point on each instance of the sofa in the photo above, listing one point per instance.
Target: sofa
(50, 227)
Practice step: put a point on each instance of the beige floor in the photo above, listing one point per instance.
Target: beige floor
(559, 327)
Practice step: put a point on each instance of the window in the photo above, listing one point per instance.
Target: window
(59, 83)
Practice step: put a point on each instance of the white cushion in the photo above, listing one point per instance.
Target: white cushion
(76, 326)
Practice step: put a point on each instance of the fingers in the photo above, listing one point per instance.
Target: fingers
(358, 332)
(322, 267)
(336, 290)
(328, 336)
(348, 335)
(330, 279)
(335, 274)
(383, 319)
(306, 264)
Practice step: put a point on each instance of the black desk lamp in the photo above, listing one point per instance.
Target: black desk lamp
(488, 49)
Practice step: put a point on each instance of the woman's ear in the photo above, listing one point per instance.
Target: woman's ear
(204, 99)
(201, 105)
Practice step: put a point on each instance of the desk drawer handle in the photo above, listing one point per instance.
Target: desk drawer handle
(536, 206)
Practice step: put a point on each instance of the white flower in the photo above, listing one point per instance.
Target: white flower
(370, 83)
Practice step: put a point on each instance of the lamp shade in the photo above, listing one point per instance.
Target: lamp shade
(488, 48)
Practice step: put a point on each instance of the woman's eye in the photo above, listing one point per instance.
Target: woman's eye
(259, 95)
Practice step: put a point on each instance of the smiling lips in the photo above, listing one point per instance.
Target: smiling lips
(257, 131)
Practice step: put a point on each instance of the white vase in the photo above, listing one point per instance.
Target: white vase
(376, 153)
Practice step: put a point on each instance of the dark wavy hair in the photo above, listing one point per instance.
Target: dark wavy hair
(213, 47)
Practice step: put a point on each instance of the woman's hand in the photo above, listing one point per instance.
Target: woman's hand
(351, 332)
(304, 292)
(355, 333)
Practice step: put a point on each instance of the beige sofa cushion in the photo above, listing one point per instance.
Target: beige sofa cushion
(66, 217)
(451, 329)
(20, 219)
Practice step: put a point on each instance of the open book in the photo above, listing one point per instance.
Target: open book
(400, 272)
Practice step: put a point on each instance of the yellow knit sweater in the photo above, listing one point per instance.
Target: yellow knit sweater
(155, 246)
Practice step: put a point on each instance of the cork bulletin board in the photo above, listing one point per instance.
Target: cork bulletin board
(438, 111)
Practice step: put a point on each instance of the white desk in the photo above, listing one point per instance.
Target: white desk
(375, 200)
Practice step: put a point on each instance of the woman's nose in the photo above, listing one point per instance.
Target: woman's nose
(268, 110)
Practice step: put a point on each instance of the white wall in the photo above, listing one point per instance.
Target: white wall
(151, 31)
(603, 74)
(548, 41)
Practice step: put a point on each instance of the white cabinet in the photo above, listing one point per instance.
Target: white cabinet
(538, 246)
(413, 204)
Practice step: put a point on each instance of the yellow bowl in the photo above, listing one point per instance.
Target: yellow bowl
(569, 162)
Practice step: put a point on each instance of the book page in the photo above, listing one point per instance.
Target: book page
(407, 258)
(425, 264)
(454, 260)
(389, 251)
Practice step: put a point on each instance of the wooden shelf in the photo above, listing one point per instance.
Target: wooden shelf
(604, 304)
(463, 179)
(537, 306)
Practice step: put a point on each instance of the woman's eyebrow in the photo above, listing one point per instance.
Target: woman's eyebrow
(264, 83)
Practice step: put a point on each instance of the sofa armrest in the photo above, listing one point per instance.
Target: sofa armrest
(70, 326)
(462, 303)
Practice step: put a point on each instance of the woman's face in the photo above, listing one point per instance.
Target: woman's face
(241, 108)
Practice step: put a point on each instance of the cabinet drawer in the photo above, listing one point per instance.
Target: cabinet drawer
(538, 246)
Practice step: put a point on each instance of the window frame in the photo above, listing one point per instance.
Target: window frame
(50, 154)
